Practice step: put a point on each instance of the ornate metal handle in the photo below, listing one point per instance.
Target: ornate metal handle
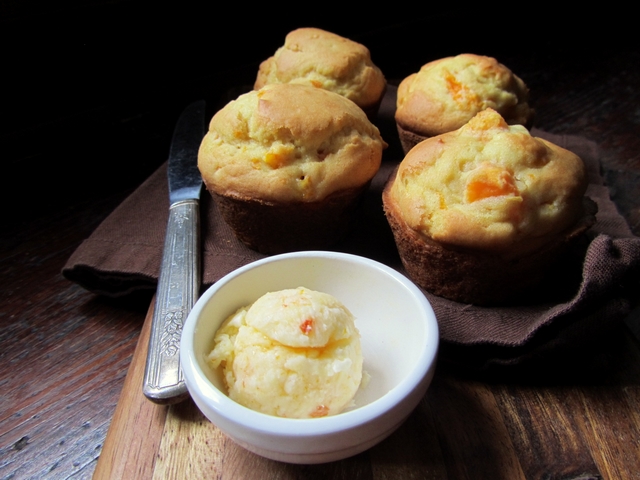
(178, 288)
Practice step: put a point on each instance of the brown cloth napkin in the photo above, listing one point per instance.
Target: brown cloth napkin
(588, 295)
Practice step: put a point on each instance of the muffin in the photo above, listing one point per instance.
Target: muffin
(481, 213)
(287, 164)
(311, 56)
(445, 94)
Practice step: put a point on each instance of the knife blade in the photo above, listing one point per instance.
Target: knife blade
(179, 280)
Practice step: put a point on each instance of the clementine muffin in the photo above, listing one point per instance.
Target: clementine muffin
(479, 214)
(287, 164)
(311, 56)
(446, 93)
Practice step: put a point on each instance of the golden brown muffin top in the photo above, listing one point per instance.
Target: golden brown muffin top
(489, 186)
(312, 56)
(289, 142)
(446, 93)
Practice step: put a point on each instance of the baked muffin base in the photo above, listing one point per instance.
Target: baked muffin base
(271, 228)
(409, 139)
(474, 277)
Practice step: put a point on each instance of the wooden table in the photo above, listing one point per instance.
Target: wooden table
(71, 362)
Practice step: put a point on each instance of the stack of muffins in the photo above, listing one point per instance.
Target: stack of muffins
(479, 208)
(289, 161)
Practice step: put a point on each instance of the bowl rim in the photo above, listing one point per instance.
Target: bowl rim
(228, 409)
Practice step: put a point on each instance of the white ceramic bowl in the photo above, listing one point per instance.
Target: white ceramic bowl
(399, 336)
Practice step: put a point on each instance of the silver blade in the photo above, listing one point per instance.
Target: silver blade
(179, 281)
(185, 181)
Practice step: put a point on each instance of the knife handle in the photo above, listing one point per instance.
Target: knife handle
(178, 288)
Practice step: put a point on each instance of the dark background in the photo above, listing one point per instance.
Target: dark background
(92, 89)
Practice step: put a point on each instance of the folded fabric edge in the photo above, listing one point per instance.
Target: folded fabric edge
(570, 328)
(109, 284)
(111, 279)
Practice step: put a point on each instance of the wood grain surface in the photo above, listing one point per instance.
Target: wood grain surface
(463, 428)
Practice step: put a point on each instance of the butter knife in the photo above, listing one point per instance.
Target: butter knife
(179, 282)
